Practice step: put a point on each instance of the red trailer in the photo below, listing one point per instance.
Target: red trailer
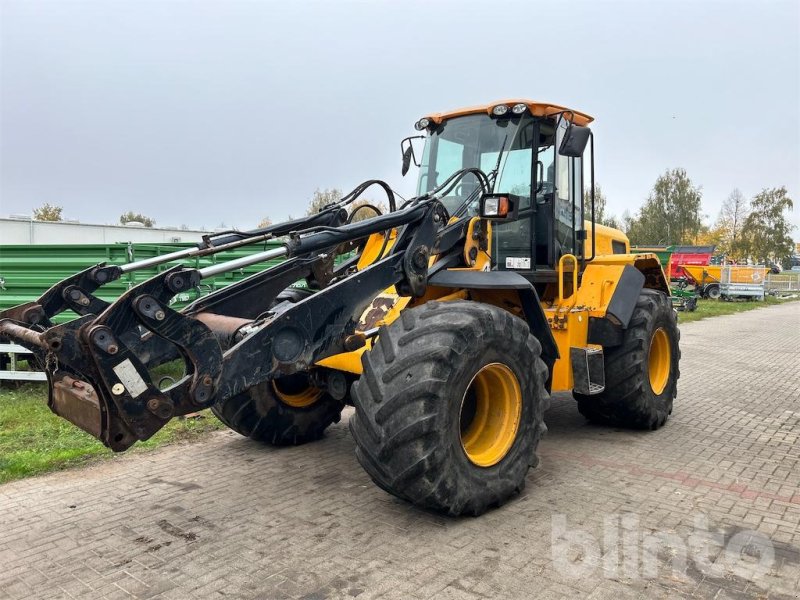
(688, 255)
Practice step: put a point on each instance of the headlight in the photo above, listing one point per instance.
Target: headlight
(491, 207)
(519, 108)
(422, 124)
(499, 206)
(499, 110)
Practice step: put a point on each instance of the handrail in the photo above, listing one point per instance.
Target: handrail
(573, 296)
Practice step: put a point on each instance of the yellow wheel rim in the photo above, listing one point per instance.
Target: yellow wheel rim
(490, 414)
(660, 360)
(297, 399)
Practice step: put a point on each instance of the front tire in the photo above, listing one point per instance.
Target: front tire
(449, 408)
(285, 412)
(642, 373)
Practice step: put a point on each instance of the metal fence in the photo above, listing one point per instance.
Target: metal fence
(9, 364)
(783, 283)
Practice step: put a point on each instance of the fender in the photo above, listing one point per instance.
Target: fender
(607, 330)
(505, 280)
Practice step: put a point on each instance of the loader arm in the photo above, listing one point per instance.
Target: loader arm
(77, 291)
(99, 365)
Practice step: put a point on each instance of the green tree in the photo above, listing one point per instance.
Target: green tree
(601, 214)
(47, 212)
(766, 231)
(599, 204)
(671, 213)
(131, 216)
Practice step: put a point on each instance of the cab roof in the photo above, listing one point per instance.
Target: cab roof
(538, 109)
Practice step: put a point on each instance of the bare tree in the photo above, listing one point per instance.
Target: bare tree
(323, 198)
(361, 210)
(730, 224)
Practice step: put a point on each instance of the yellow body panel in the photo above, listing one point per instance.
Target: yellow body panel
(604, 239)
(349, 362)
(573, 333)
(376, 248)
(569, 319)
(567, 310)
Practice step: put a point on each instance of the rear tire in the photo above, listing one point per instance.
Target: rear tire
(642, 373)
(449, 408)
(712, 291)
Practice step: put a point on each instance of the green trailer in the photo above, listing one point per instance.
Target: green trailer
(664, 253)
(682, 298)
(26, 270)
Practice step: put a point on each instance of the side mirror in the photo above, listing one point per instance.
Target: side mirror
(499, 207)
(408, 153)
(575, 140)
(407, 148)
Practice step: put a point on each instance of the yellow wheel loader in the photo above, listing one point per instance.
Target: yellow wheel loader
(447, 322)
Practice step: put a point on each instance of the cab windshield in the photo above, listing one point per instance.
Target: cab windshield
(476, 141)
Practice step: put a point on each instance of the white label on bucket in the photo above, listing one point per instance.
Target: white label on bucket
(518, 262)
(130, 378)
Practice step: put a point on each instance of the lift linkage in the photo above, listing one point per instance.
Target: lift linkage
(99, 365)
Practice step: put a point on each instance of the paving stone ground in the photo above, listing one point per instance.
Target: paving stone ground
(607, 514)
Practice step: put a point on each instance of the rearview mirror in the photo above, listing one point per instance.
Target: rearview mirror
(575, 140)
(407, 148)
(407, 155)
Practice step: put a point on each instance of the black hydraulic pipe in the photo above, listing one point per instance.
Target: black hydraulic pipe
(328, 238)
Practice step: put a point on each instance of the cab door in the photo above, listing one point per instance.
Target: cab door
(568, 201)
(551, 212)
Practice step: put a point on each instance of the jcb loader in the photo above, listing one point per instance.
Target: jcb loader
(447, 322)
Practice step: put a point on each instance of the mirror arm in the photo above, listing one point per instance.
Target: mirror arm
(409, 154)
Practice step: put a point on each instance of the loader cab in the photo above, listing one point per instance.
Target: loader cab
(518, 149)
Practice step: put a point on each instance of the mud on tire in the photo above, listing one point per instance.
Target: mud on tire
(629, 399)
(408, 423)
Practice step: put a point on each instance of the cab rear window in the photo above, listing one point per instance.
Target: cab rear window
(618, 247)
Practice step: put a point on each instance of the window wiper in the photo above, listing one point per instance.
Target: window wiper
(496, 171)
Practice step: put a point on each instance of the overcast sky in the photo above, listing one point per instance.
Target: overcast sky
(202, 113)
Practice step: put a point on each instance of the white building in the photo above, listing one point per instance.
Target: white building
(24, 230)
